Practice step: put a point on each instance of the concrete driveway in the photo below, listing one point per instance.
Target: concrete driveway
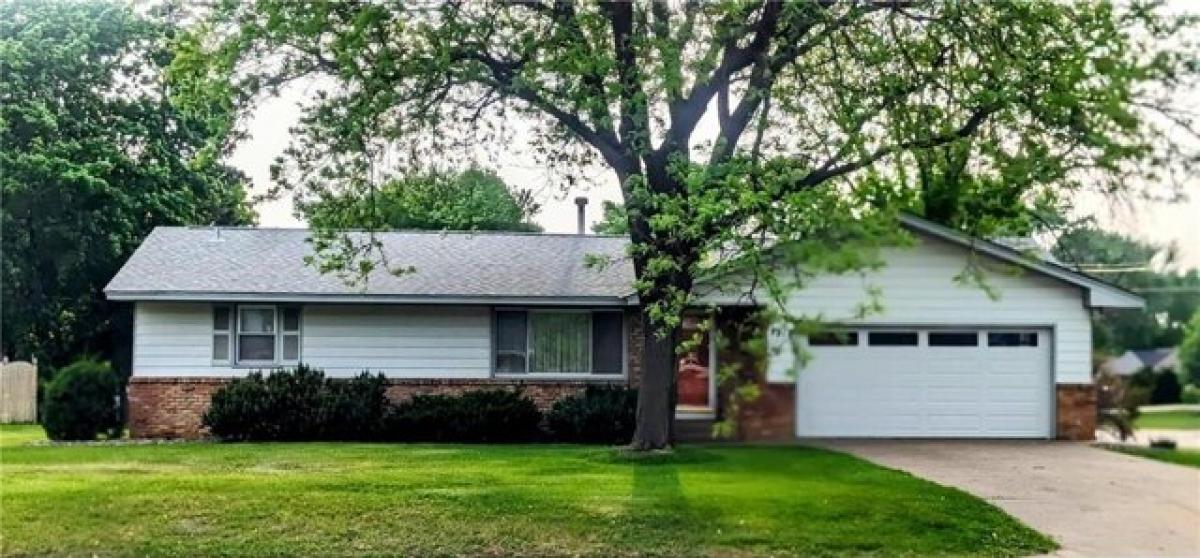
(1094, 502)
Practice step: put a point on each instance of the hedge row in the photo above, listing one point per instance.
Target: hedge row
(302, 404)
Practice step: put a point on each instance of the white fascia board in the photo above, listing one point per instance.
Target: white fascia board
(173, 296)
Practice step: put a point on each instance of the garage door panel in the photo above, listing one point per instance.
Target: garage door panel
(927, 391)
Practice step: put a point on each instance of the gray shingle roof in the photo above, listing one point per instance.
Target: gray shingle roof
(191, 263)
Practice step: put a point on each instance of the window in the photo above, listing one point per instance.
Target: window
(608, 348)
(558, 342)
(291, 334)
(1013, 339)
(222, 331)
(892, 338)
(953, 339)
(511, 335)
(833, 339)
(256, 334)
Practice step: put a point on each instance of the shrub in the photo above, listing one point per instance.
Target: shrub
(599, 415)
(1162, 387)
(82, 402)
(1190, 394)
(473, 416)
(353, 409)
(1166, 388)
(1117, 403)
(297, 404)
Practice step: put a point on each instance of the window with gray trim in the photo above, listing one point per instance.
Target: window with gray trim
(559, 342)
(256, 334)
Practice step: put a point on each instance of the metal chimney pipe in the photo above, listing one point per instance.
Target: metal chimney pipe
(581, 202)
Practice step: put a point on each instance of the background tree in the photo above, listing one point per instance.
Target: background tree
(466, 201)
(613, 220)
(819, 111)
(1172, 297)
(1189, 352)
(92, 157)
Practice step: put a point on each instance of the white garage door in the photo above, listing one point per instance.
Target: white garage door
(965, 383)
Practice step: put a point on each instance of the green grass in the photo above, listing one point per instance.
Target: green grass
(323, 498)
(1188, 457)
(1176, 420)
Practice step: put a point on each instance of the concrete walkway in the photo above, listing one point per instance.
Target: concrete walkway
(1092, 501)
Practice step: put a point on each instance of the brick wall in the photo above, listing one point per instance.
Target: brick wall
(169, 407)
(772, 415)
(1076, 411)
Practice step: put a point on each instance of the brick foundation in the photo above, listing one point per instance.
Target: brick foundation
(169, 407)
(1076, 411)
(173, 407)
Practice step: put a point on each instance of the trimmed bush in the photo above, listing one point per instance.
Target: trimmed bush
(1166, 388)
(599, 415)
(474, 416)
(82, 402)
(297, 405)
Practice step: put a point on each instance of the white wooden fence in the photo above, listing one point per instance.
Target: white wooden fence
(18, 391)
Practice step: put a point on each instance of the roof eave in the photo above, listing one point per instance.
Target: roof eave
(1100, 294)
(365, 298)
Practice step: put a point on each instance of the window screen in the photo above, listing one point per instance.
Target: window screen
(511, 333)
(256, 334)
(833, 338)
(606, 343)
(892, 338)
(291, 334)
(953, 339)
(1013, 339)
(222, 333)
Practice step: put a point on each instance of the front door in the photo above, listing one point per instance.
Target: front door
(695, 380)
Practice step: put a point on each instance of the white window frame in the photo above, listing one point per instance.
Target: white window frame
(589, 374)
(237, 354)
(228, 332)
(235, 333)
(284, 333)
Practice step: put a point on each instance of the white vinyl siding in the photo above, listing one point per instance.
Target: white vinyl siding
(175, 339)
(918, 289)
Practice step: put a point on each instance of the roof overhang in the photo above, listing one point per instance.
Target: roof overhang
(366, 298)
(1099, 293)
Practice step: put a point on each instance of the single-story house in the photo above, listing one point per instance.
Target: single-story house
(1132, 362)
(516, 309)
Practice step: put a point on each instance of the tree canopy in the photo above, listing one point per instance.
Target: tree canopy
(1172, 296)
(471, 200)
(613, 219)
(1189, 351)
(821, 116)
(92, 156)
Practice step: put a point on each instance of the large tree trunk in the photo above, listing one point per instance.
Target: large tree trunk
(656, 395)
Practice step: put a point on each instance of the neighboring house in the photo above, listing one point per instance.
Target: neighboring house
(1132, 362)
(509, 309)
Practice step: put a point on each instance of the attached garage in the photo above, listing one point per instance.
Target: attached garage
(928, 383)
(939, 357)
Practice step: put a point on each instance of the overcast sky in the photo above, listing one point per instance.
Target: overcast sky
(1154, 221)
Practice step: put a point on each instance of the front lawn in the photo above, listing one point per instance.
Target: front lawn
(1188, 457)
(1174, 420)
(322, 498)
